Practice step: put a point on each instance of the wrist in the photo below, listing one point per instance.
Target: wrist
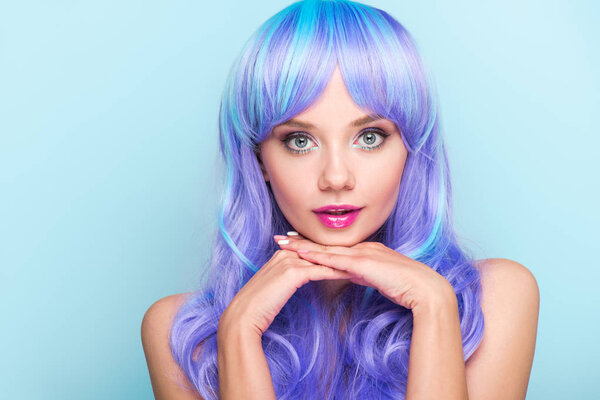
(440, 302)
(232, 327)
(235, 340)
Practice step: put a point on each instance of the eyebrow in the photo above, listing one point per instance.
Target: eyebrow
(305, 125)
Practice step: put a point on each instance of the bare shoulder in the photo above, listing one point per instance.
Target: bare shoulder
(502, 274)
(508, 287)
(168, 380)
(501, 365)
(507, 282)
(163, 310)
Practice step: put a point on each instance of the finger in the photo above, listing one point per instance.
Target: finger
(342, 262)
(285, 239)
(296, 244)
(294, 235)
(291, 236)
(321, 272)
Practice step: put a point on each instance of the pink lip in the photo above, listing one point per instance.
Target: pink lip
(336, 207)
(338, 221)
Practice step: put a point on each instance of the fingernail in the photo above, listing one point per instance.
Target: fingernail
(279, 237)
(292, 233)
(283, 242)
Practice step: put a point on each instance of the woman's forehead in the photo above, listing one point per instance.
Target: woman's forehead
(296, 122)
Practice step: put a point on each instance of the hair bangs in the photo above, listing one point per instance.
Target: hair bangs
(284, 68)
(382, 70)
(287, 64)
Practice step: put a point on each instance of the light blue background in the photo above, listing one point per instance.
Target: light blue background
(108, 117)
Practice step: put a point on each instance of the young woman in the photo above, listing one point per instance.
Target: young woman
(336, 272)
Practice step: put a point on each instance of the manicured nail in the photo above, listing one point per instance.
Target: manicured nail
(283, 242)
(279, 237)
(292, 233)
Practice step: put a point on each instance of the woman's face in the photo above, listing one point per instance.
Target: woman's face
(332, 154)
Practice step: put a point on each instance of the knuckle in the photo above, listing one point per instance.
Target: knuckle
(362, 245)
(290, 270)
(373, 245)
(282, 253)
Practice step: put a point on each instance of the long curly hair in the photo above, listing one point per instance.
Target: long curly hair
(282, 69)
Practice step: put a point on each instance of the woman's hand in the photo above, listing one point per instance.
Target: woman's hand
(399, 278)
(259, 301)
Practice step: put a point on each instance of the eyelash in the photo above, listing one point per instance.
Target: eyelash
(294, 135)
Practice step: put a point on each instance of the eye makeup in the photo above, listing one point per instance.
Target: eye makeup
(302, 135)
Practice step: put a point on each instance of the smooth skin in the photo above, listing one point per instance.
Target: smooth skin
(337, 170)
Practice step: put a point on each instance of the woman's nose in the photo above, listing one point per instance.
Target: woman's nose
(336, 173)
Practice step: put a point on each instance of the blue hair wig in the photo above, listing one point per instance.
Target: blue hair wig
(281, 71)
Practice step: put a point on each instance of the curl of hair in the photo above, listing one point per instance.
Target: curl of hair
(360, 348)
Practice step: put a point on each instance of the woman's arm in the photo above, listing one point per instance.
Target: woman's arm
(436, 362)
(436, 367)
(242, 366)
(500, 367)
(243, 369)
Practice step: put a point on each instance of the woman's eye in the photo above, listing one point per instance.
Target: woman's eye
(297, 143)
(372, 139)
(300, 143)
